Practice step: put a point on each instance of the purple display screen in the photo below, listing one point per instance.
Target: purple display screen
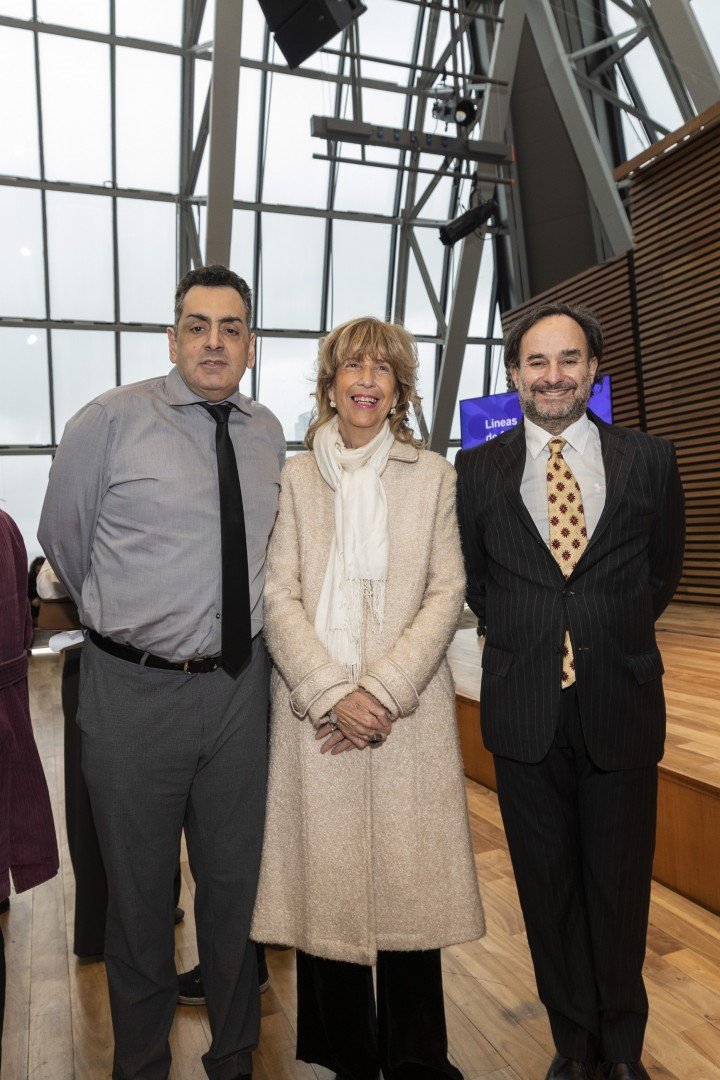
(484, 418)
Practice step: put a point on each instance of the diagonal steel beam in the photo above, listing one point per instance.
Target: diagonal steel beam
(187, 253)
(492, 124)
(591, 159)
(223, 129)
(403, 262)
(617, 101)
(193, 168)
(688, 51)
(427, 282)
(596, 70)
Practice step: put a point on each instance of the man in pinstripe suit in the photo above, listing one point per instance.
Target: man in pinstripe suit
(573, 537)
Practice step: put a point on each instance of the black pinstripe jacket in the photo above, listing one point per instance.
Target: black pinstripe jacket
(622, 583)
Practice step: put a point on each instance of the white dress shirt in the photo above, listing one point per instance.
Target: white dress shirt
(583, 454)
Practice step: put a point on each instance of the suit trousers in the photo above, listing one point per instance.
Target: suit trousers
(581, 842)
(339, 1026)
(90, 881)
(163, 750)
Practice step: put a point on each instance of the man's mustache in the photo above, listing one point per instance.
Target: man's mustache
(554, 386)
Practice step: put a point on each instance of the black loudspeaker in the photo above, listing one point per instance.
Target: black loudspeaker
(301, 27)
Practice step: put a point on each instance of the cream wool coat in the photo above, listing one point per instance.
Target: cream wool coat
(370, 849)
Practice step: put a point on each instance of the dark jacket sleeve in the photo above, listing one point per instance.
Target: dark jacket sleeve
(667, 542)
(472, 547)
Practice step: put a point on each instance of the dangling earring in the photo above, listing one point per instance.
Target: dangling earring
(332, 404)
(393, 411)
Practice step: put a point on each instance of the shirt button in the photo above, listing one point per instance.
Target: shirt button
(217, 614)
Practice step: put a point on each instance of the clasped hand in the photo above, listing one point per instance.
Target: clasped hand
(360, 720)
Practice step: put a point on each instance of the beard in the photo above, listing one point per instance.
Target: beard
(558, 415)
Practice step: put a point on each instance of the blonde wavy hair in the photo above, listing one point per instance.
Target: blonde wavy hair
(356, 339)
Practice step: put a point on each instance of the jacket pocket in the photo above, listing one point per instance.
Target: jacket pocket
(646, 666)
(496, 661)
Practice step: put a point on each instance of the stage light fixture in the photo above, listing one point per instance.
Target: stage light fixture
(301, 27)
(469, 221)
(465, 112)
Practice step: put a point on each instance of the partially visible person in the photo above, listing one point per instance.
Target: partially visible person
(33, 597)
(367, 855)
(28, 849)
(159, 506)
(573, 535)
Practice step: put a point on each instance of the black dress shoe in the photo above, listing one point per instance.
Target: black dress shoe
(563, 1068)
(625, 1070)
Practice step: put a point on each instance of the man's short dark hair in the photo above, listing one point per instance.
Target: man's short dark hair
(216, 277)
(586, 320)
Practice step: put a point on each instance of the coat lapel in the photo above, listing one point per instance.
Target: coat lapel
(618, 455)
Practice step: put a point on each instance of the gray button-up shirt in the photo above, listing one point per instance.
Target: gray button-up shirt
(131, 520)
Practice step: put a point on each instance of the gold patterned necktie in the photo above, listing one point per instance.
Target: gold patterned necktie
(568, 534)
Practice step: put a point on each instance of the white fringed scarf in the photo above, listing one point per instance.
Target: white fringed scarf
(358, 561)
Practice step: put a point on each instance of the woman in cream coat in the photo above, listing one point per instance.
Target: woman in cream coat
(367, 856)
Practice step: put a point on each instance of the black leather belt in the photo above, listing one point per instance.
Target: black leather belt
(135, 656)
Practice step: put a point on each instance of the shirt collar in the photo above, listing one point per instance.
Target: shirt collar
(576, 435)
(179, 393)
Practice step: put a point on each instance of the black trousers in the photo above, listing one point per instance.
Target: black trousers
(582, 842)
(340, 1027)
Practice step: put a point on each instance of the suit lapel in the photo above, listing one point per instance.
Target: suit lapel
(618, 455)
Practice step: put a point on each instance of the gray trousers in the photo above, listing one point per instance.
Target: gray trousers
(163, 750)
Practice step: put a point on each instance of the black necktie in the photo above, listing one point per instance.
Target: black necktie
(236, 638)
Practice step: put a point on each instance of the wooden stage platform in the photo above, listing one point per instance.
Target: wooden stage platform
(687, 857)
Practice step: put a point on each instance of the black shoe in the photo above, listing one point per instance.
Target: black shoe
(179, 915)
(625, 1070)
(192, 992)
(190, 988)
(563, 1068)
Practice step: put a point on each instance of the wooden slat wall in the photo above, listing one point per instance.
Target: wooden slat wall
(676, 301)
(605, 289)
(675, 219)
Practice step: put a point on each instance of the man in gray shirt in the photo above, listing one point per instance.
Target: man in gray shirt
(146, 525)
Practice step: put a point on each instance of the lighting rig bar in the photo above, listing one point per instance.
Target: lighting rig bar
(390, 138)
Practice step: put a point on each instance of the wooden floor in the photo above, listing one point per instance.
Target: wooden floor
(57, 1023)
